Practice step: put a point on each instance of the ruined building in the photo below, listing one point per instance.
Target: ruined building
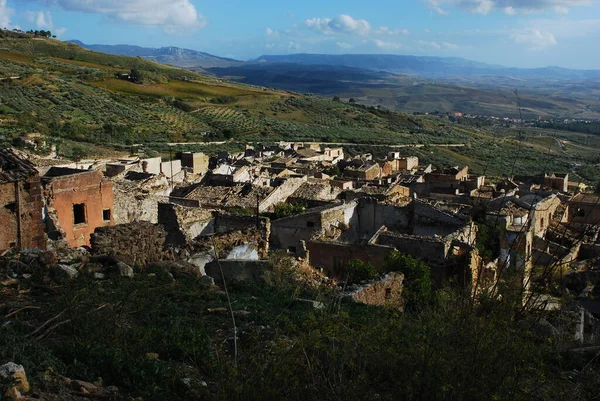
(22, 203)
(76, 203)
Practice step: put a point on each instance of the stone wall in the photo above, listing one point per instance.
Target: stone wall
(29, 231)
(139, 203)
(386, 291)
(252, 271)
(136, 244)
(281, 193)
(425, 248)
(333, 256)
(184, 224)
(231, 222)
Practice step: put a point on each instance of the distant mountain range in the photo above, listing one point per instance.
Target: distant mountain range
(427, 66)
(178, 57)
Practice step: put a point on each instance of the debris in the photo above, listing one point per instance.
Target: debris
(67, 271)
(125, 270)
(18, 380)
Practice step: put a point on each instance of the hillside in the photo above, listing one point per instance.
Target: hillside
(73, 97)
(490, 96)
(175, 56)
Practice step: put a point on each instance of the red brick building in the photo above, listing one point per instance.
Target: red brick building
(77, 202)
(21, 203)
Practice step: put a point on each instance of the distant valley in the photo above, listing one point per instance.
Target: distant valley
(401, 82)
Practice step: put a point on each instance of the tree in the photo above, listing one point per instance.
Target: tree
(357, 271)
(417, 289)
(352, 100)
(336, 98)
(597, 188)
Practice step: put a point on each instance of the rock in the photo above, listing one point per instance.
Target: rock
(91, 268)
(99, 276)
(84, 387)
(17, 377)
(9, 282)
(47, 258)
(125, 270)
(207, 281)
(67, 271)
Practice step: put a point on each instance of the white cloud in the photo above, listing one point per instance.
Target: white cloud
(171, 14)
(293, 45)
(344, 45)
(5, 15)
(450, 46)
(272, 33)
(381, 44)
(384, 30)
(41, 19)
(429, 45)
(566, 28)
(342, 24)
(534, 38)
(510, 7)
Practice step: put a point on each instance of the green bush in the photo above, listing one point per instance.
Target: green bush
(356, 271)
(417, 291)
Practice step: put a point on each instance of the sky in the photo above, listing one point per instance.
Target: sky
(518, 33)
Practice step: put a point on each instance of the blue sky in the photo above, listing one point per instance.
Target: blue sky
(521, 33)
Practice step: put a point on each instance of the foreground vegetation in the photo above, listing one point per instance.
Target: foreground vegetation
(159, 338)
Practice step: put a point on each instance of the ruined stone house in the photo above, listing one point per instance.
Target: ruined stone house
(368, 230)
(77, 202)
(21, 203)
(584, 209)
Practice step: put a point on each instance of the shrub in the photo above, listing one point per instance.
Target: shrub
(357, 271)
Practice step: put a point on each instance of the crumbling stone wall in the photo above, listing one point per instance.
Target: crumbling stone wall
(29, 231)
(386, 291)
(281, 193)
(232, 222)
(426, 248)
(136, 244)
(139, 203)
(333, 256)
(84, 188)
(184, 224)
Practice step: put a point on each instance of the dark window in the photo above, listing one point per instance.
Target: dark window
(13, 245)
(292, 249)
(388, 293)
(79, 213)
(106, 215)
(310, 224)
(580, 212)
(12, 207)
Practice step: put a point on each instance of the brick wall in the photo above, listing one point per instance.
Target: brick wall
(89, 189)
